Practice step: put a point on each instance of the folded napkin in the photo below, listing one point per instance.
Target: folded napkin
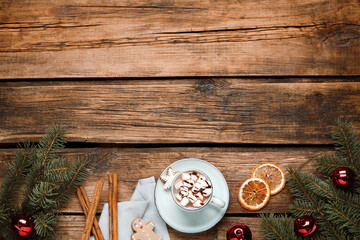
(141, 205)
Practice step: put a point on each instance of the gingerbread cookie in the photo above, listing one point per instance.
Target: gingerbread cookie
(168, 177)
(143, 230)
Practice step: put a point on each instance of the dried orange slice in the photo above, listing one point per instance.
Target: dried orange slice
(273, 174)
(254, 194)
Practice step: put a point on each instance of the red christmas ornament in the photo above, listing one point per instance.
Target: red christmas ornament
(305, 226)
(22, 225)
(343, 177)
(238, 231)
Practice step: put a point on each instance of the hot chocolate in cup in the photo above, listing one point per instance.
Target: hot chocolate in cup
(192, 190)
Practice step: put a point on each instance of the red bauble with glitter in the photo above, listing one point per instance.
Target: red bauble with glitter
(238, 231)
(22, 225)
(343, 177)
(305, 226)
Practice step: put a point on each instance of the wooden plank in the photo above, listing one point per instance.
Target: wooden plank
(153, 38)
(179, 111)
(132, 164)
(71, 227)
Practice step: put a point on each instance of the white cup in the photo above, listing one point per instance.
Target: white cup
(211, 199)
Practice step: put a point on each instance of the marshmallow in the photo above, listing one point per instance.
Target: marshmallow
(196, 188)
(207, 192)
(184, 191)
(188, 183)
(184, 201)
(185, 176)
(179, 197)
(198, 204)
(204, 184)
(194, 176)
(192, 198)
(199, 196)
(178, 185)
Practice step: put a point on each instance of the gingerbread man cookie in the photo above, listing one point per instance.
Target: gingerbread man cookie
(143, 230)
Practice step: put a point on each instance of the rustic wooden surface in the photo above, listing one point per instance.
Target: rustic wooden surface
(144, 83)
(162, 38)
(179, 111)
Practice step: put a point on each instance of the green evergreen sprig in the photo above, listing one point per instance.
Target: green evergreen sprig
(18, 169)
(336, 210)
(44, 224)
(38, 182)
(271, 226)
(347, 143)
(303, 190)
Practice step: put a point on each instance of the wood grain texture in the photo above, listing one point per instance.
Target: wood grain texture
(132, 164)
(179, 111)
(157, 38)
(71, 227)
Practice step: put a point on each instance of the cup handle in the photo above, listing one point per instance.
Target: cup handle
(218, 202)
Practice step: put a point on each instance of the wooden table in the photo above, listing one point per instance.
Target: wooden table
(144, 83)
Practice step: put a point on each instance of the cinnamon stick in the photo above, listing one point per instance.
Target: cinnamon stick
(113, 195)
(85, 203)
(115, 211)
(92, 210)
(111, 224)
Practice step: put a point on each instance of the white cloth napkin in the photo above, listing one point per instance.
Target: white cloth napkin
(141, 205)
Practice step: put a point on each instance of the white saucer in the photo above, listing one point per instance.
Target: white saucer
(201, 220)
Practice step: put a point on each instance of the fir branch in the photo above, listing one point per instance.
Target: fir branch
(13, 180)
(299, 187)
(325, 189)
(51, 142)
(299, 208)
(57, 170)
(3, 215)
(277, 227)
(79, 173)
(337, 210)
(41, 196)
(356, 188)
(345, 217)
(46, 180)
(347, 142)
(327, 163)
(347, 198)
(45, 224)
(48, 147)
(30, 182)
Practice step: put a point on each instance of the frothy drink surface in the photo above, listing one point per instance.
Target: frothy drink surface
(192, 189)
